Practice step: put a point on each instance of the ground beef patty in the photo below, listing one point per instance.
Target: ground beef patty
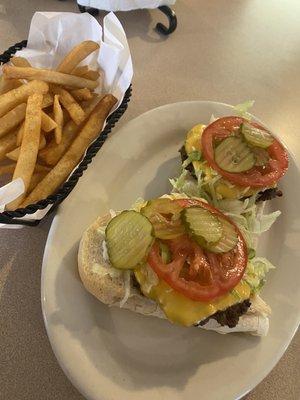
(264, 195)
(268, 194)
(230, 316)
(184, 156)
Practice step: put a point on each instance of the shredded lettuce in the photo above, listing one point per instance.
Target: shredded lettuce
(243, 224)
(202, 186)
(138, 204)
(212, 119)
(104, 251)
(151, 279)
(186, 184)
(263, 223)
(251, 253)
(236, 294)
(232, 205)
(256, 271)
(252, 224)
(193, 156)
(127, 287)
(175, 196)
(101, 230)
(242, 109)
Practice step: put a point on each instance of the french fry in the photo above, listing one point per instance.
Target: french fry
(59, 118)
(7, 143)
(43, 142)
(66, 115)
(86, 104)
(41, 168)
(80, 71)
(48, 124)
(12, 119)
(7, 169)
(70, 104)
(14, 154)
(53, 151)
(30, 145)
(76, 55)
(8, 84)
(82, 94)
(85, 72)
(19, 95)
(48, 75)
(91, 74)
(20, 62)
(20, 135)
(35, 179)
(47, 100)
(68, 162)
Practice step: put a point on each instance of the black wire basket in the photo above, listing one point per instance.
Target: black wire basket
(14, 217)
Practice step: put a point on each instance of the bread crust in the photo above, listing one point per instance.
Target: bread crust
(93, 268)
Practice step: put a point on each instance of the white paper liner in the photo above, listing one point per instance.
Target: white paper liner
(52, 35)
(125, 5)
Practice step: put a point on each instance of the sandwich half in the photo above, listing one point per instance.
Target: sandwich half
(231, 162)
(176, 258)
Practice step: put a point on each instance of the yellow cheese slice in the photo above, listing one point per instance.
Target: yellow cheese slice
(193, 143)
(184, 311)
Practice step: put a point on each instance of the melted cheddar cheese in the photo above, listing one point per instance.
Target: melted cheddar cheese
(180, 309)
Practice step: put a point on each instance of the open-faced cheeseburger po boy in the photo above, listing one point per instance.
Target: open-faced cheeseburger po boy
(179, 259)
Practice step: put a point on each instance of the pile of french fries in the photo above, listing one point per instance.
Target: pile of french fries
(48, 118)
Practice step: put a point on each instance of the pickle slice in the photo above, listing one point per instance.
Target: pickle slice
(261, 156)
(128, 239)
(256, 137)
(202, 224)
(164, 214)
(228, 240)
(162, 206)
(234, 155)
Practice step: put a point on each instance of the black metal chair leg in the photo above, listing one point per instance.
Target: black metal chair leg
(172, 21)
(92, 11)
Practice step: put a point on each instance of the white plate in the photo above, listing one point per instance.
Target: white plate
(115, 354)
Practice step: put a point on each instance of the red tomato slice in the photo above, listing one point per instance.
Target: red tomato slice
(197, 273)
(256, 177)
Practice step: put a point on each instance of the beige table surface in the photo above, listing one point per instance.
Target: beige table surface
(223, 50)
